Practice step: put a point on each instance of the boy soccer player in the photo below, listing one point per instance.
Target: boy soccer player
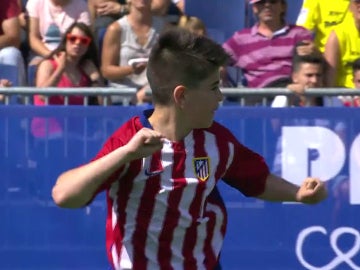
(160, 169)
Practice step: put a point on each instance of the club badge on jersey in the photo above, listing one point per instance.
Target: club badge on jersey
(202, 168)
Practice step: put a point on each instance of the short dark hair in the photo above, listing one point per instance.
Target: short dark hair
(181, 58)
(315, 57)
(356, 65)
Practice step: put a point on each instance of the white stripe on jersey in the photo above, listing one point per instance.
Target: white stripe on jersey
(231, 154)
(159, 213)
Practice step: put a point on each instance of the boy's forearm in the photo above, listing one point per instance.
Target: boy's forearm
(76, 187)
(278, 189)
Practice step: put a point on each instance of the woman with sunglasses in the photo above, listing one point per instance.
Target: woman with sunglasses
(73, 64)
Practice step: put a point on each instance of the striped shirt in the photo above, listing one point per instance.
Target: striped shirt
(262, 59)
(164, 211)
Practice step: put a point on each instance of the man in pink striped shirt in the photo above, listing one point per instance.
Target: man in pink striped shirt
(160, 169)
(264, 51)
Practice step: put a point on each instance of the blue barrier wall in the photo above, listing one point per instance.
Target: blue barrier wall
(35, 234)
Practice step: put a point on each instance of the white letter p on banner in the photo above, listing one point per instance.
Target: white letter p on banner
(311, 151)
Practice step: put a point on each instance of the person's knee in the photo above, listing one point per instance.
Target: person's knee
(11, 56)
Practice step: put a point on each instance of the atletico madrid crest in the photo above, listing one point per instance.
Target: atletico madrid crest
(202, 168)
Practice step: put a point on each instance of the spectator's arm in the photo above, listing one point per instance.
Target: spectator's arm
(110, 55)
(93, 73)
(332, 57)
(47, 75)
(92, 11)
(36, 44)
(11, 33)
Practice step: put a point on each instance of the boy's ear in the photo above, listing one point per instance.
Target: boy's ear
(179, 95)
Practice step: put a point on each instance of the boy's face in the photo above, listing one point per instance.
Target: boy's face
(201, 103)
(309, 75)
(356, 79)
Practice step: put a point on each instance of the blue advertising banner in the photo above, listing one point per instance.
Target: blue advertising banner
(36, 144)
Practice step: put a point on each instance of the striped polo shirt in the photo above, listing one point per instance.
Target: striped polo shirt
(262, 59)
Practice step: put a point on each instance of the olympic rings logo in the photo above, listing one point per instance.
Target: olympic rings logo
(341, 257)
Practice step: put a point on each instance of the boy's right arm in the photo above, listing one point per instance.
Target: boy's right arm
(76, 187)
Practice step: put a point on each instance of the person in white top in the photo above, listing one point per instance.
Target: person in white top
(48, 19)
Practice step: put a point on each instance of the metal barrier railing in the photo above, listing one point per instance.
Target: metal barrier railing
(240, 94)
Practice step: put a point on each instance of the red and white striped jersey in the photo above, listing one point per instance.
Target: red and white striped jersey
(164, 211)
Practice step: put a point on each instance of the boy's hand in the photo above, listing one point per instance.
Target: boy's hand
(311, 191)
(145, 142)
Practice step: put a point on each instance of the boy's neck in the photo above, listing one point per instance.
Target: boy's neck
(168, 122)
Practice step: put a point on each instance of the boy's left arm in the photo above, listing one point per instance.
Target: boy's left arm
(311, 191)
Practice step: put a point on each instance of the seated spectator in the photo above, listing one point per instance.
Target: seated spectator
(193, 24)
(321, 16)
(72, 64)
(48, 20)
(264, 51)
(342, 49)
(10, 38)
(131, 37)
(307, 72)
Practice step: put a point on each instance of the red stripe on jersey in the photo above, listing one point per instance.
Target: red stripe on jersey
(173, 214)
(195, 207)
(145, 212)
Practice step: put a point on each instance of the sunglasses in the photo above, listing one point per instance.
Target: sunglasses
(80, 39)
(356, 1)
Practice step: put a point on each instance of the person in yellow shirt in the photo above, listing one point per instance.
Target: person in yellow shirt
(321, 16)
(342, 49)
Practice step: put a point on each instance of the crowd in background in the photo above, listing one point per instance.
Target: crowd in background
(77, 43)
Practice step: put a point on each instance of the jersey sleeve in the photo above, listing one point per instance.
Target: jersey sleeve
(247, 171)
(118, 139)
(308, 15)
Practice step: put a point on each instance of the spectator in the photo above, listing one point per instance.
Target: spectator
(321, 16)
(48, 20)
(342, 49)
(307, 72)
(264, 51)
(10, 38)
(131, 37)
(72, 64)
